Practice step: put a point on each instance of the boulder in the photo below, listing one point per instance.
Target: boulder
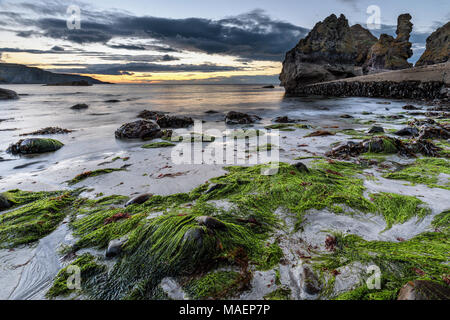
(286, 119)
(139, 199)
(174, 122)
(4, 203)
(409, 131)
(424, 290)
(151, 115)
(141, 129)
(331, 51)
(115, 247)
(210, 223)
(80, 106)
(438, 47)
(35, 145)
(234, 117)
(8, 94)
(391, 53)
(434, 132)
(376, 129)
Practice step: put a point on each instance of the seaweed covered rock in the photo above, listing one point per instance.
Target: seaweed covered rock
(35, 145)
(331, 51)
(424, 290)
(391, 53)
(234, 117)
(6, 94)
(48, 131)
(438, 47)
(434, 132)
(286, 119)
(141, 129)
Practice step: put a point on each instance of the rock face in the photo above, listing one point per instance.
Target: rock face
(332, 50)
(378, 89)
(141, 129)
(389, 53)
(35, 145)
(438, 47)
(8, 94)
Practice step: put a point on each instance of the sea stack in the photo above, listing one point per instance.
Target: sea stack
(389, 53)
(332, 50)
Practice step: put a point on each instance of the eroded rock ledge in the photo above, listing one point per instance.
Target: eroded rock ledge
(379, 89)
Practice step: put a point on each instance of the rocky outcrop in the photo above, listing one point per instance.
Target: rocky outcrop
(332, 50)
(8, 94)
(438, 47)
(389, 53)
(20, 74)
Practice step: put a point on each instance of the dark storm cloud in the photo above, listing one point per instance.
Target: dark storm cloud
(128, 68)
(253, 35)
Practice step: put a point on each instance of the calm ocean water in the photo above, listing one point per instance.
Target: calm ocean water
(42, 106)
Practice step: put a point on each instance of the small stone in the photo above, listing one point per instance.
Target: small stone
(79, 106)
(139, 199)
(115, 247)
(4, 203)
(34, 146)
(210, 223)
(214, 187)
(410, 107)
(346, 116)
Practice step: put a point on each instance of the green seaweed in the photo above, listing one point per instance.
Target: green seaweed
(35, 220)
(424, 171)
(156, 145)
(281, 293)
(88, 270)
(90, 174)
(424, 257)
(215, 285)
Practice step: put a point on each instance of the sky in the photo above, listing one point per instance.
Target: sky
(180, 41)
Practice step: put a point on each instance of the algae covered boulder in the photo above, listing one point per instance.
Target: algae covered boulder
(35, 145)
(234, 117)
(141, 129)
